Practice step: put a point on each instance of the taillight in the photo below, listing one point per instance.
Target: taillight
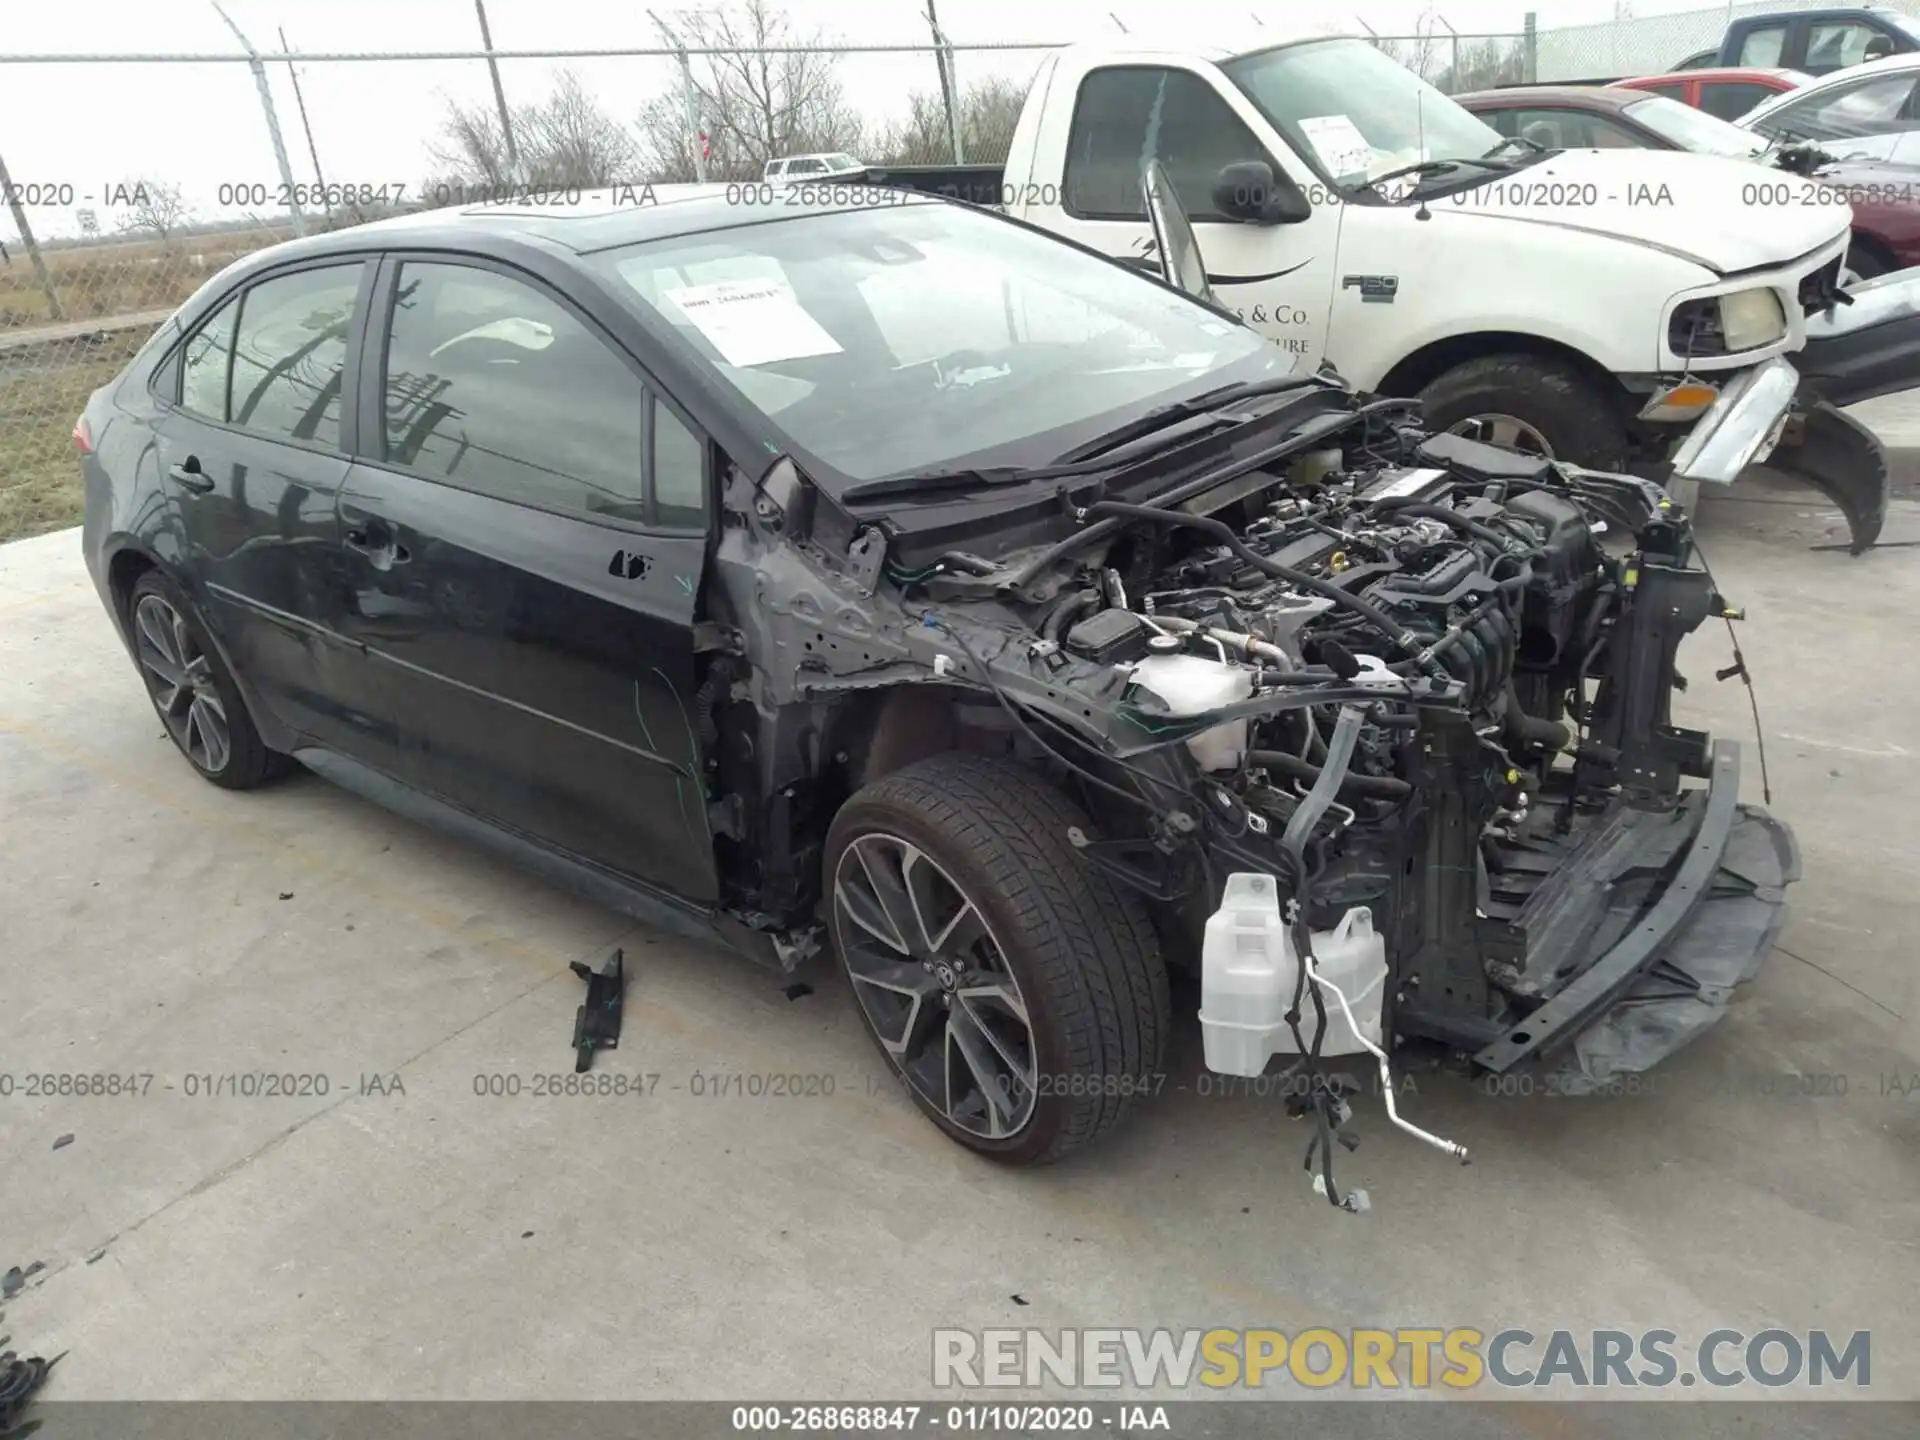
(83, 436)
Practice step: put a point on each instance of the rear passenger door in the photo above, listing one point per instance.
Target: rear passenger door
(253, 441)
(526, 534)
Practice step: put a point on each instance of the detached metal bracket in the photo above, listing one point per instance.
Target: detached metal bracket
(596, 1024)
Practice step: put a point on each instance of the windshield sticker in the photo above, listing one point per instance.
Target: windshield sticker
(752, 322)
(1339, 144)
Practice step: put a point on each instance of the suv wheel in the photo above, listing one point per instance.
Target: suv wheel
(192, 691)
(1018, 994)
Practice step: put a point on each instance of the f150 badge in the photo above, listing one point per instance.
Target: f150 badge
(1374, 289)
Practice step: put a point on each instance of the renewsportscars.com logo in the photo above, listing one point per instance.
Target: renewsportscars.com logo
(1411, 1358)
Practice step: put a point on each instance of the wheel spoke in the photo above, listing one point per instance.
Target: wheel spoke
(902, 1009)
(885, 862)
(965, 1039)
(858, 897)
(206, 718)
(967, 1004)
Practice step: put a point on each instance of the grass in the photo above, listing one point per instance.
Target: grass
(97, 281)
(39, 468)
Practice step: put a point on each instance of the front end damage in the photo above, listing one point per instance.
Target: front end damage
(1407, 675)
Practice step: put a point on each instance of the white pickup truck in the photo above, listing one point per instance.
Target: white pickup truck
(1584, 304)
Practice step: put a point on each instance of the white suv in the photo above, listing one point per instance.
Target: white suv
(812, 167)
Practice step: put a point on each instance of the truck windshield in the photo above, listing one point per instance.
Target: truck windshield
(1356, 110)
(904, 338)
(1693, 129)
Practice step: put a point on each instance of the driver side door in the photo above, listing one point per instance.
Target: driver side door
(1278, 278)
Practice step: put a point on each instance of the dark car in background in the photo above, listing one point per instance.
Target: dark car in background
(1885, 197)
(1817, 42)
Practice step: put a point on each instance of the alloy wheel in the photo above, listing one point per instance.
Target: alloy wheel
(180, 679)
(935, 985)
(1509, 431)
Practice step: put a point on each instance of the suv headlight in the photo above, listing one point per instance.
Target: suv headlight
(1727, 324)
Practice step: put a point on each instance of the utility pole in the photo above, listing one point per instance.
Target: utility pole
(306, 125)
(259, 68)
(499, 91)
(943, 57)
(689, 104)
(54, 312)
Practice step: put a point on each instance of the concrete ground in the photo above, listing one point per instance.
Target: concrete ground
(402, 1236)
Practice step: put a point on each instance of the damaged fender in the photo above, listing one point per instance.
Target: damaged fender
(1843, 460)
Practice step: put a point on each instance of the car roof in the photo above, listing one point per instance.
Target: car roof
(1227, 41)
(1724, 73)
(1584, 97)
(1891, 65)
(578, 222)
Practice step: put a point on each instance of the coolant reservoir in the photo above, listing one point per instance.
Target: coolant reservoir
(1248, 971)
(1193, 685)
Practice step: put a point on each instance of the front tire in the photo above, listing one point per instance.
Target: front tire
(192, 691)
(1535, 403)
(1018, 994)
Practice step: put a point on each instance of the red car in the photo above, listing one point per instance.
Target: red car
(1885, 197)
(1727, 92)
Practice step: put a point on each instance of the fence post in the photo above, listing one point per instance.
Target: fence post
(259, 68)
(499, 95)
(690, 103)
(943, 62)
(1530, 49)
(54, 311)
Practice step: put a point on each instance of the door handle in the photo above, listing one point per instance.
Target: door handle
(189, 474)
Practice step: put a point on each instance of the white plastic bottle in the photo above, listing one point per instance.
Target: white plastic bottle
(1248, 970)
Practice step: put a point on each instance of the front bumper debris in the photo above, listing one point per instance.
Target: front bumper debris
(1637, 938)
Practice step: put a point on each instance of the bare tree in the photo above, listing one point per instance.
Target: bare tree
(565, 141)
(989, 109)
(752, 106)
(154, 207)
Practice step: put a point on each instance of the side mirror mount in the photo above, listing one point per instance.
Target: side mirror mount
(1249, 191)
(1181, 263)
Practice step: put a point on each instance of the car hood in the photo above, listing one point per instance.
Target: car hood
(1700, 207)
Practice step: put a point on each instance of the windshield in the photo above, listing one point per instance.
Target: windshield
(905, 338)
(842, 162)
(1357, 110)
(1693, 129)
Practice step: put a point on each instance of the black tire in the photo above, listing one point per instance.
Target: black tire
(1082, 951)
(1580, 422)
(246, 761)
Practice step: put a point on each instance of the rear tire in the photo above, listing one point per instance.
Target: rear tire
(192, 690)
(1578, 421)
(1026, 1028)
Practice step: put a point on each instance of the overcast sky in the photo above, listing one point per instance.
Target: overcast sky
(201, 126)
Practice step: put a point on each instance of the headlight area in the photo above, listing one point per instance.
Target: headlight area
(1727, 324)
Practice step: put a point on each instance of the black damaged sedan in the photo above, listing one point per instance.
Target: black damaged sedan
(883, 576)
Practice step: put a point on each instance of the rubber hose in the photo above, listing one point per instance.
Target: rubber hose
(1380, 787)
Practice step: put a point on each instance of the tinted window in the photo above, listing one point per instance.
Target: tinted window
(494, 385)
(679, 470)
(1675, 91)
(1127, 117)
(1873, 107)
(1573, 130)
(1762, 46)
(290, 360)
(1730, 100)
(1837, 44)
(204, 362)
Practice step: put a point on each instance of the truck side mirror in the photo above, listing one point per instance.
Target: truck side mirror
(1249, 191)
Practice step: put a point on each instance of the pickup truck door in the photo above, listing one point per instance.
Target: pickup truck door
(1122, 116)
